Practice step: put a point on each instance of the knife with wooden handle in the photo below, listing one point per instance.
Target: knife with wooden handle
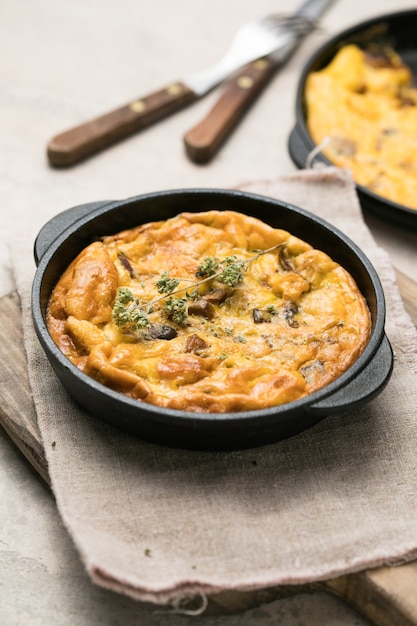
(255, 39)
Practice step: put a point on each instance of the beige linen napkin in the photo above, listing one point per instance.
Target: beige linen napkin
(159, 524)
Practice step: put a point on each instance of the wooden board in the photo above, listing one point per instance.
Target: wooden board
(387, 595)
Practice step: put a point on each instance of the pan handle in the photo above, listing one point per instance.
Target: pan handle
(300, 151)
(366, 385)
(60, 222)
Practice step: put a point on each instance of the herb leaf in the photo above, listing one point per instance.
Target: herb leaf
(208, 267)
(232, 272)
(128, 313)
(176, 310)
(166, 284)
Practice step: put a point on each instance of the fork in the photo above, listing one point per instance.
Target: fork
(204, 140)
(256, 39)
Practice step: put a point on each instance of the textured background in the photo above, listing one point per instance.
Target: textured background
(63, 63)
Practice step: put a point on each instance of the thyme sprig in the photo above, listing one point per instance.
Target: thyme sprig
(131, 316)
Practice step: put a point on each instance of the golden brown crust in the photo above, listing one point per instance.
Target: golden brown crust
(292, 325)
(361, 109)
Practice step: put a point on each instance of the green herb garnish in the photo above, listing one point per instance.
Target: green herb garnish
(128, 313)
(131, 316)
(166, 284)
(208, 267)
(232, 272)
(176, 310)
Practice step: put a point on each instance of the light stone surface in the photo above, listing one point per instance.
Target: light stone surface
(63, 63)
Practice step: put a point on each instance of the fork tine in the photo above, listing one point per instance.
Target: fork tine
(296, 23)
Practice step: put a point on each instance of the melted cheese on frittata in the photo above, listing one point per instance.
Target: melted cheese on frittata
(294, 322)
(362, 109)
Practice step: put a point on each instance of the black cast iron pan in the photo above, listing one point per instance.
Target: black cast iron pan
(66, 235)
(397, 30)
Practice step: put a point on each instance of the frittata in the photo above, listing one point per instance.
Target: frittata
(208, 312)
(362, 110)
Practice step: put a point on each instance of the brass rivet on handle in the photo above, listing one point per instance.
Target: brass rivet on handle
(174, 89)
(138, 106)
(260, 64)
(245, 82)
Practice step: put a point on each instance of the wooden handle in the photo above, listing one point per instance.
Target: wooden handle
(204, 140)
(87, 139)
(386, 595)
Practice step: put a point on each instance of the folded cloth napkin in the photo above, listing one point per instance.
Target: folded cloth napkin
(160, 524)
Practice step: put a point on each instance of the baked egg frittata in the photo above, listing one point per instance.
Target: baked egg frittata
(362, 110)
(208, 312)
